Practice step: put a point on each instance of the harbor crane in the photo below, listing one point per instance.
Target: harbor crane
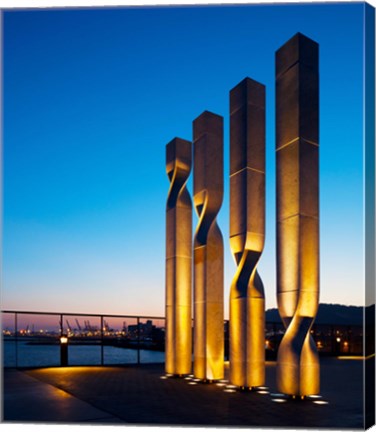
(78, 325)
(69, 328)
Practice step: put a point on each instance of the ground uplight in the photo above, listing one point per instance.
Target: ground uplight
(320, 402)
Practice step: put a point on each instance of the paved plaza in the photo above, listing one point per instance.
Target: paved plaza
(143, 395)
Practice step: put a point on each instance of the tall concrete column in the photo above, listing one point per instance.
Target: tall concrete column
(178, 349)
(297, 147)
(247, 233)
(208, 247)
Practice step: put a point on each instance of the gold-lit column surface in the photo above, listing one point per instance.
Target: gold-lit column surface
(297, 154)
(247, 233)
(208, 247)
(178, 352)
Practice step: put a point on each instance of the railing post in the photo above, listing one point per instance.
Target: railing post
(348, 339)
(61, 325)
(102, 353)
(16, 336)
(138, 340)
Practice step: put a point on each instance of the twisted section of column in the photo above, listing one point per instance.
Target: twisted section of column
(298, 369)
(178, 194)
(247, 232)
(178, 338)
(208, 248)
(247, 317)
(297, 155)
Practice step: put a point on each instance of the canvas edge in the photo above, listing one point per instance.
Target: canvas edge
(369, 185)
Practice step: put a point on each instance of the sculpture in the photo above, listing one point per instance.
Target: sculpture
(208, 248)
(247, 233)
(297, 151)
(178, 259)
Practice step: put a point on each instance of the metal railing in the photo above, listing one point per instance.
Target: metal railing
(33, 339)
(88, 342)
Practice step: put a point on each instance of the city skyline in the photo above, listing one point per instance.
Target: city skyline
(85, 187)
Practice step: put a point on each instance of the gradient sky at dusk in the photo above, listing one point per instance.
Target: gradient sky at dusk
(91, 98)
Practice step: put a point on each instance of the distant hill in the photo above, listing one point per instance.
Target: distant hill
(330, 314)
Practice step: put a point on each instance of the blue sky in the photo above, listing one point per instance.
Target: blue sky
(92, 96)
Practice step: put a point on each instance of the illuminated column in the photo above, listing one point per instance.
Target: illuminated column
(208, 248)
(247, 232)
(297, 147)
(178, 259)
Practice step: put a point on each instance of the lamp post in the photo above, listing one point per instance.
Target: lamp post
(63, 350)
(338, 346)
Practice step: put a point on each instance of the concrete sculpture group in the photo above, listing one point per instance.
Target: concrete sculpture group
(297, 224)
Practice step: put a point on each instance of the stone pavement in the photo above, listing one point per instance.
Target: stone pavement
(143, 395)
(26, 399)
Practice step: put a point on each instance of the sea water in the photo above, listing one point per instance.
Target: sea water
(23, 354)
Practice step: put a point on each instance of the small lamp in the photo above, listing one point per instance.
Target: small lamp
(63, 350)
